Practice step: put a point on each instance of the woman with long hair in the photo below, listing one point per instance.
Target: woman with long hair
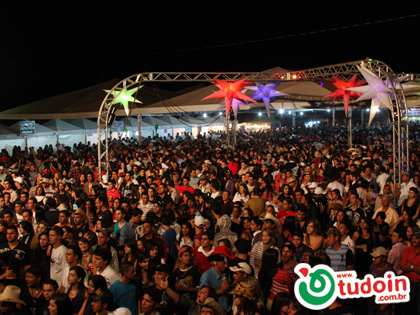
(364, 240)
(120, 216)
(257, 252)
(412, 204)
(186, 236)
(281, 303)
(68, 236)
(60, 304)
(77, 292)
(40, 195)
(244, 299)
(246, 229)
(272, 278)
(334, 197)
(130, 251)
(242, 195)
(27, 232)
(404, 222)
(87, 253)
(267, 190)
(295, 308)
(152, 194)
(287, 191)
(96, 282)
(313, 237)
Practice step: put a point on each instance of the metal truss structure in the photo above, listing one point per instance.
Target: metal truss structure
(344, 71)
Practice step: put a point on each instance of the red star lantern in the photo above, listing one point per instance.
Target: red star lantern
(230, 91)
(342, 91)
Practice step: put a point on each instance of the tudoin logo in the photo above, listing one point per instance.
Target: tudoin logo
(319, 286)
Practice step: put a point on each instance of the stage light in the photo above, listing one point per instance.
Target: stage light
(281, 111)
(205, 115)
(259, 114)
(301, 113)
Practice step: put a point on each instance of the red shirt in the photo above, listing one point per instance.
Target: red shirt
(411, 257)
(200, 259)
(281, 215)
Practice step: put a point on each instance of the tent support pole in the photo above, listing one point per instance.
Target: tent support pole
(139, 126)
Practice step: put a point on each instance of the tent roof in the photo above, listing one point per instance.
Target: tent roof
(132, 122)
(83, 103)
(5, 132)
(83, 123)
(61, 126)
(40, 130)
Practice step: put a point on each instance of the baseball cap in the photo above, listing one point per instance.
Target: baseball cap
(379, 251)
(104, 295)
(241, 266)
(18, 179)
(318, 191)
(199, 221)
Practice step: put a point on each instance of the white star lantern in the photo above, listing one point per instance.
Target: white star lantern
(376, 90)
(124, 96)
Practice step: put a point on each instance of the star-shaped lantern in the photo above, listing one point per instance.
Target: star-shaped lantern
(230, 91)
(376, 90)
(341, 91)
(236, 105)
(265, 92)
(124, 96)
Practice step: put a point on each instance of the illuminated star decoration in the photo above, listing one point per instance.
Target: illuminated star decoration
(398, 85)
(230, 91)
(124, 97)
(265, 92)
(375, 90)
(341, 91)
(236, 104)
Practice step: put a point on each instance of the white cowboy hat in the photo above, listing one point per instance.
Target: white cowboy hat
(11, 294)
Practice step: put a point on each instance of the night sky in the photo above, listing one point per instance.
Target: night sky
(67, 46)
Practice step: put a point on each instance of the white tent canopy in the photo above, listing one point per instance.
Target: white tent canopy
(42, 136)
(67, 133)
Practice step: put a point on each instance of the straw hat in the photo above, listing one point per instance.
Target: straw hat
(11, 294)
(245, 290)
(213, 304)
(272, 218)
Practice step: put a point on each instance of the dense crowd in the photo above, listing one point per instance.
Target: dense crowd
(187, 225)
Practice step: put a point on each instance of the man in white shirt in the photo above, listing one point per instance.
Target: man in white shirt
(405, 187)
(381, 179)
(58, 255)
(101, 259)
(392, 217)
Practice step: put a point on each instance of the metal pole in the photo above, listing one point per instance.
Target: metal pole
(349, 120)
(362, 117)
(333, 117)
(139, 126)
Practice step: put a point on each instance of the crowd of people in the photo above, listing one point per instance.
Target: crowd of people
(187, 225)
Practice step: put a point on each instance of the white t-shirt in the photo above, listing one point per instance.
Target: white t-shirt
(110, 276)
(58, 263)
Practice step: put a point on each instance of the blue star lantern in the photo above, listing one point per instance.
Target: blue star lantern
(265, 92)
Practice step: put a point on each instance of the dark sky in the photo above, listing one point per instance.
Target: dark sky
(66, 46)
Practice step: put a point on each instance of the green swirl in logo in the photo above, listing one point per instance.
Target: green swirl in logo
(319, 275)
